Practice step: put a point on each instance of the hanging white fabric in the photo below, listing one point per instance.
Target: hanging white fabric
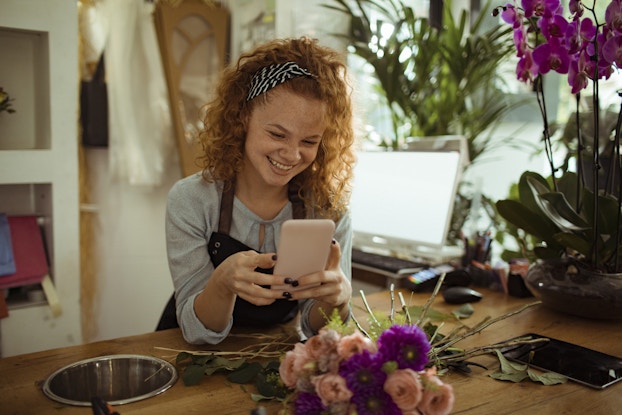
(141, 138)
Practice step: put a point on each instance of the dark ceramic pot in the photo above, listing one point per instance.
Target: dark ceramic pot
(568, 286)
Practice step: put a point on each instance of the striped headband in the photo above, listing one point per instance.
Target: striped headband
(270, 76)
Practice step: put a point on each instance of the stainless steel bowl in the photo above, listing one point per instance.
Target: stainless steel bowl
(117, 379)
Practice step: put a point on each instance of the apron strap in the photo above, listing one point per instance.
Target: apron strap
(226, 208)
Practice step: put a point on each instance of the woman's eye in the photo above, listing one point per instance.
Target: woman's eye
(277, 135)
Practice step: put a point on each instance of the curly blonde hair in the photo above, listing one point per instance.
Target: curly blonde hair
(325, 185)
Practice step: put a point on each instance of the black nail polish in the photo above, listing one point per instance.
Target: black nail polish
(295, 283)
(274, 257)
(287, 295)
(334, 241)
(288, 280)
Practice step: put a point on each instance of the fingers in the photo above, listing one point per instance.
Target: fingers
(334, 255)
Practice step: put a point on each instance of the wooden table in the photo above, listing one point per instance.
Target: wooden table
(476, 393)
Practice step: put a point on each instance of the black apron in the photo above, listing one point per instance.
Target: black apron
(220, 246)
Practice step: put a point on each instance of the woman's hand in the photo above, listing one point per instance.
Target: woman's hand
(236, 275)
(330, 287)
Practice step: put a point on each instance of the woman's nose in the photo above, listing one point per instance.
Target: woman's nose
(291, 151)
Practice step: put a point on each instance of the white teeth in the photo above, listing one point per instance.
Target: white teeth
(279, 165)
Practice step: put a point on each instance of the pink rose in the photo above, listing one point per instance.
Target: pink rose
(294, 364)
(331, 388)
(322, 348)
(354, 344)
(404, 387)
(437, 397)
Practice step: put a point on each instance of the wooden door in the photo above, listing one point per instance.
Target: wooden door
(194, 39)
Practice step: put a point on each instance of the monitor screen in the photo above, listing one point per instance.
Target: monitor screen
(402, 201)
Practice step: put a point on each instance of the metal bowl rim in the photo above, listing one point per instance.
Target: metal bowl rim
(166, 366)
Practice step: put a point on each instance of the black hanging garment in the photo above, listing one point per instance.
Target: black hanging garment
(94, 108)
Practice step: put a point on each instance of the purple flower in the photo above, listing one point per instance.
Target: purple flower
(375, 402)
(612, 50)
(541, 8)
(587, 30)
(613, 16)
(407, 345)
(551, 56)
(363, 373)
(554, 26)
(572, 38)
(575, 7)
(577, 77)
(509, 14)
(527, 69)
(308, 404)
(520, 41)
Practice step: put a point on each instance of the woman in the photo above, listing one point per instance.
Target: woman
(277, 145)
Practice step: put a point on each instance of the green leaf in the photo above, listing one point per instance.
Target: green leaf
(220, 363)
(525, 192)
(522, 217)
(517, 372)
(562, 213)
(245, 373)
(547, 378)
(432, 314)
(182, 356)
(555, 206)
(464, 311)
(193, 374)
(202, 359)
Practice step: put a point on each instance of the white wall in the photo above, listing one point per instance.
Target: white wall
(133, 280)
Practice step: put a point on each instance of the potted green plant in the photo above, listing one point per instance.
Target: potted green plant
(436, 80)
(571, 221)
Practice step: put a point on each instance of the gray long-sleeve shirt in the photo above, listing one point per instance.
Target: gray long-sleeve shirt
(192, 215)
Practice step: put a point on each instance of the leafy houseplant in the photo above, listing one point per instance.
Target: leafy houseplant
(436, 81)
(572, 218)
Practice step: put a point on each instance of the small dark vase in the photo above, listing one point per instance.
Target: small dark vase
(568, 286)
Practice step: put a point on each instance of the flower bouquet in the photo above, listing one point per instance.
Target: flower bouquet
(393, 365)
(340, 373)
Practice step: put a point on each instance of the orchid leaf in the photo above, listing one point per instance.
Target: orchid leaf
(565, 217)
(525, 189)
(607, 212)
(555, 206)
(526, 219)
(576, 242)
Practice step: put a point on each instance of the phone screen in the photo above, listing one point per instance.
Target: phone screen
(578, 363)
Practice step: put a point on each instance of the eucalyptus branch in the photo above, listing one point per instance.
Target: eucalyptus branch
(392, 312)
(482, 325)
(480, 350)
(368, 308)
(359, 326)
(428, 304)
(404, 307)
(253, 354)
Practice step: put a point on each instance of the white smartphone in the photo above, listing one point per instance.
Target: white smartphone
(303, 248)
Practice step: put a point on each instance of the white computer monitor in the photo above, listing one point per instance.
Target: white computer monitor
(402, 201)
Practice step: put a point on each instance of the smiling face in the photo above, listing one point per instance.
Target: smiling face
(284, 135)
